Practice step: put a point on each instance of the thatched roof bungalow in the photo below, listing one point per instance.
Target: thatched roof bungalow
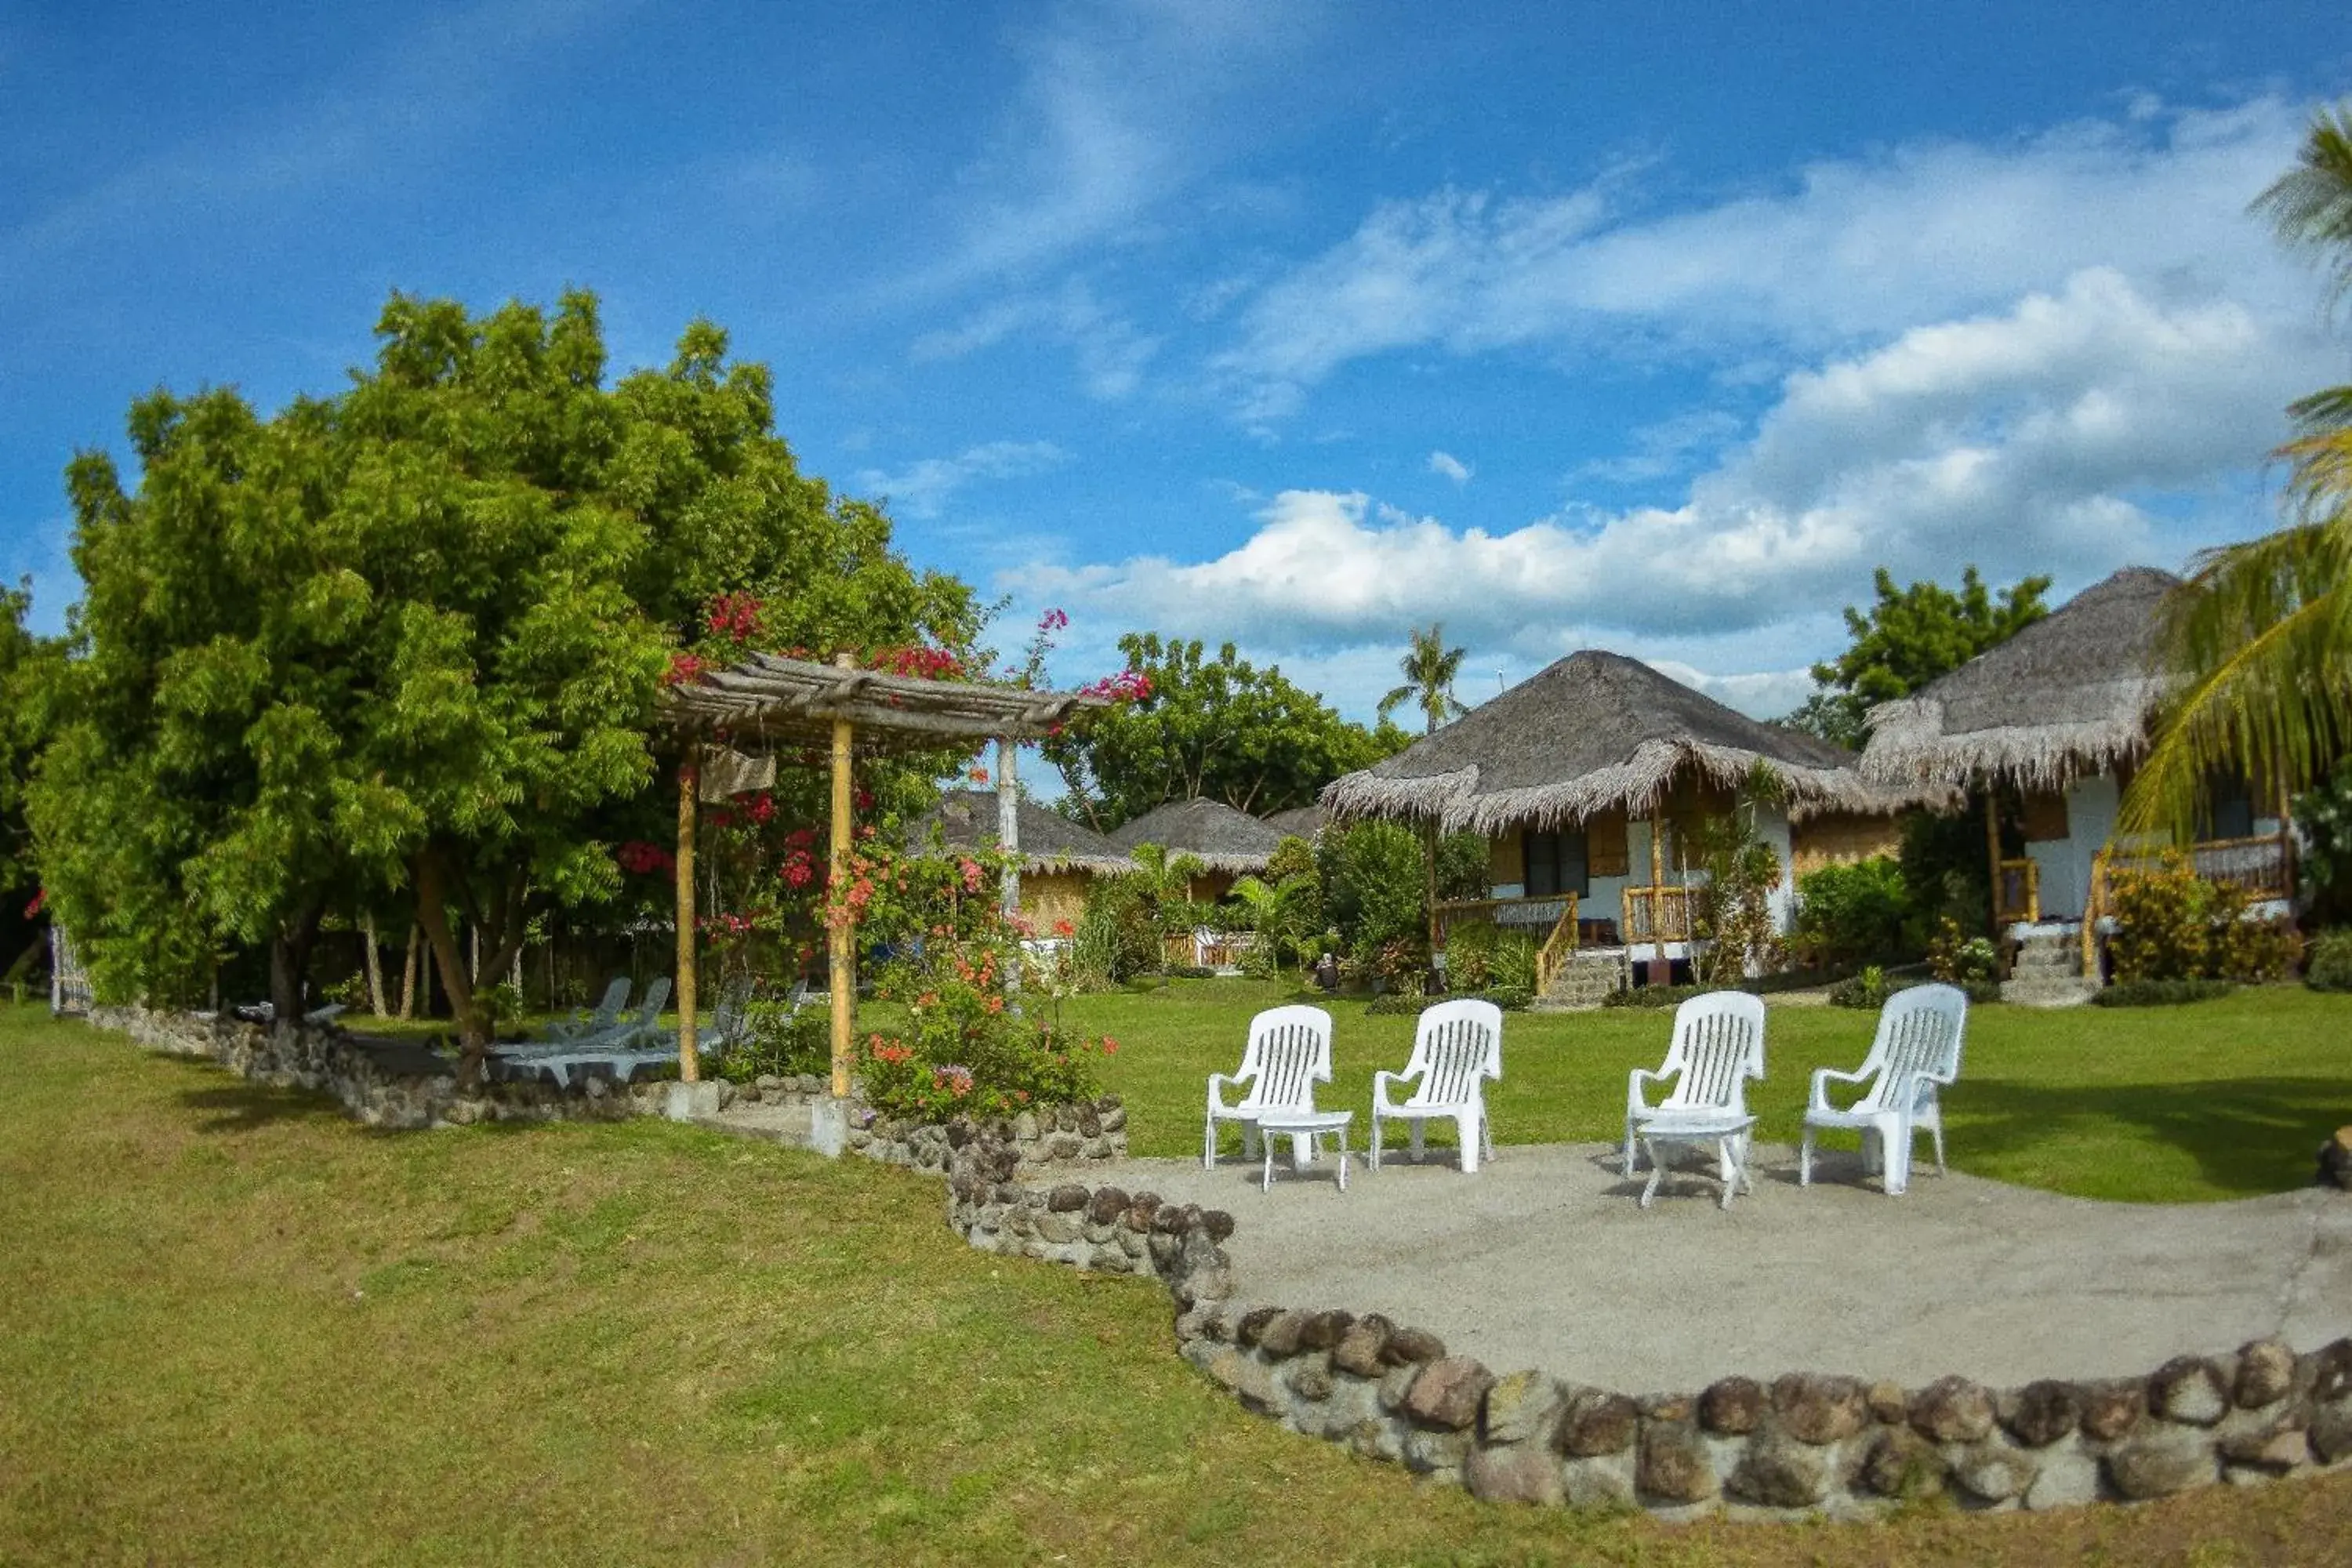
(1059, 858)
(1568, 774)
(1298, 822)
(1232, 844)
(2060, 714)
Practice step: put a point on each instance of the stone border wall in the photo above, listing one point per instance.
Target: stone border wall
(1802, 1446)
(325, 1058)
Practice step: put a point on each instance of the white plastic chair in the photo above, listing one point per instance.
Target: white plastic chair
(1916, 1052)
(1719, 1045)
(1289, 1052)
(1455, 1046)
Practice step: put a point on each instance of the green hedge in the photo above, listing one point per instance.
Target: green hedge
(2161, 992)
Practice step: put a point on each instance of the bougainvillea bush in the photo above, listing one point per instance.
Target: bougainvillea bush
(982, 1035)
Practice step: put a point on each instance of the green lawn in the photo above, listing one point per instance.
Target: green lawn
(2216, 1099)
(237, 1328)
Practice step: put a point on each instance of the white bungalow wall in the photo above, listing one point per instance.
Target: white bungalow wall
(2091, 804)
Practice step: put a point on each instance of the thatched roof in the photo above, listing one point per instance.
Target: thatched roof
(1224, 839)
(2069, 695)
(1298, 822)
(966, 819)
(1593, 732)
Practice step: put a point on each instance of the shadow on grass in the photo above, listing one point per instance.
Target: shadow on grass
(2248, 1136)
(249, 1107)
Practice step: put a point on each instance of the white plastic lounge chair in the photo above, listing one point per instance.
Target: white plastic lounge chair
(633, 1043)
(1455, 1046)
(1719, 1045)
(607, 1014)
(1917, 1050)
(1289, 1052)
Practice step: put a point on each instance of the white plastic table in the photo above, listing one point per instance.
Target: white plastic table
(1729, 1133)
(1306, 1124)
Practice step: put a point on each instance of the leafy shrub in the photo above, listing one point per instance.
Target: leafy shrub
(1372, 874)
(1653, 996)
(2330, 968)
(1851, 913)
(1868, 989)
(2160, 993)
(1470, 948)
(2172, 924)
(1956, 958)
(1115, 938)
(1514, 965)
(1508, 998)
(777, 1039)
(1190, 972)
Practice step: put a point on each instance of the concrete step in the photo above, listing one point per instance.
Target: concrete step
(2071, 991)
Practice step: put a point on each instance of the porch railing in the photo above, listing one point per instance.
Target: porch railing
(1657, 914)
(1551, 919)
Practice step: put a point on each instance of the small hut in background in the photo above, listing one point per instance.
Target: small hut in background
(1577, 777)
(2060, 715)
(1298, 822)
(1231, 844)
(1059, 858)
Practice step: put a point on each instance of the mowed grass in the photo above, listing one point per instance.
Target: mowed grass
(237, 1328)
(2218, 1099)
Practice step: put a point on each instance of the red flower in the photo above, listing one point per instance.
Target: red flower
(684, 667)
(1063, 928)
(1109, 1045)
(40, 901)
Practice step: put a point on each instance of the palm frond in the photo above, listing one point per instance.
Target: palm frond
(2310, 205)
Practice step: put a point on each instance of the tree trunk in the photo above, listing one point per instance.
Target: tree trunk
(432, 914)
(374, 968)
(289, 966)
(408, 973)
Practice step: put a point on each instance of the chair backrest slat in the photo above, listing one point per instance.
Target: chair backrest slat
(1718, 1044)
(1454, 1045)
(1289, 1052)
(1919, 1033)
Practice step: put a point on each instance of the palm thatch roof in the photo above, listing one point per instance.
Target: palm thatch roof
(2069, 695)
(966, 819)
(1594, 732)
(1298, 822)
(1223, 839)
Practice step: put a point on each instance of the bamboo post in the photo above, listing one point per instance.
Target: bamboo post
(839, 937)
(689, 771)
(1008, 823)
(1992, 849)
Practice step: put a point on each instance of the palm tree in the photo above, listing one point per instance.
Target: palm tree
(2261, 635)
(1429, 667)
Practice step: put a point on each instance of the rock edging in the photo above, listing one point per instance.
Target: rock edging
(1803, 1446)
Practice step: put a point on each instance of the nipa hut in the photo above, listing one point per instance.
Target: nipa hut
(1578, 779)
(1059, 858)
(2059, 714)
(1231, 844)
(1298, 822)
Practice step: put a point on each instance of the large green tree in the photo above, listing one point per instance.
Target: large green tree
(1429, 669)
(1217, 727)
(414, 636)
(1905, 638)
(2261, 635)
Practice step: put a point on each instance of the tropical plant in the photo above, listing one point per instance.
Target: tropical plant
(1731, 914)
(1846, 913)
(1285, 916)
(1429, 669)
(1166, 878)
(2260, 636)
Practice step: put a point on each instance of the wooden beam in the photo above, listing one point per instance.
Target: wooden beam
(1992, 848)
(842, 977)
(690, 773)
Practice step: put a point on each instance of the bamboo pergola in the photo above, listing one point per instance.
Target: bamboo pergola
(791, 708)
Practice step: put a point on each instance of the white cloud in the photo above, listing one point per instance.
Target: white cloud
(2071, 433)
(1110, 352)
(1445, 465)
(1120, 107)
(922, 488)
(1855, 250)
(1665, 448)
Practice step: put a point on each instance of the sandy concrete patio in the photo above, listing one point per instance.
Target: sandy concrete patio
(1543, 1260)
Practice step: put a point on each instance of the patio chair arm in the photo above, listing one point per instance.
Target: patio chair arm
(1217, 1101)
(1634, 1100)
(1380, 1081)
(1817, 1099)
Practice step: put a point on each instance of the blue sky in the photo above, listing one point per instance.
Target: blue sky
(1640, 327)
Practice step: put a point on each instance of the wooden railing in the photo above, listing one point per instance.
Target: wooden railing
(1207, 949)
(2263, 866)
(2019, 896)
(1657, 914)
(1532, 917)
(1557, 948)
